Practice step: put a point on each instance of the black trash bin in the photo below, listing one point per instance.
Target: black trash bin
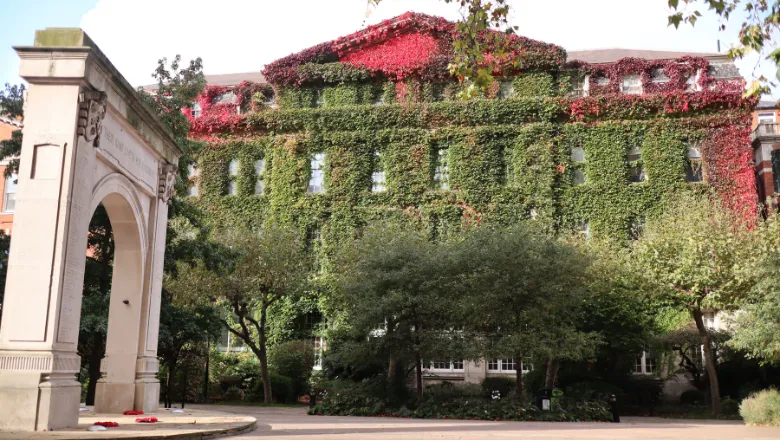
(543, 398)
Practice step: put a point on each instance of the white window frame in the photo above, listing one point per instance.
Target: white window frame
(634, 91)
(193, 173)
(320, 347)
(662, 79)
(196, 110)
(502, 366)
(317, 176)
(378, 178)
(260, 176)
(506, 90)
(767, 117)
(451, 369)
(10, 183)
(646, 364)
(441, 175)
(233, 167)
(578, 155)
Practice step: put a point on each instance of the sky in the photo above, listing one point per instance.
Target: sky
(234, 36)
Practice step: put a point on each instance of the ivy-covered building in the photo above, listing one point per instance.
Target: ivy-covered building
(369, 127)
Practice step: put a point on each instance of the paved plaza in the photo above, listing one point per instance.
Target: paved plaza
(290, 423)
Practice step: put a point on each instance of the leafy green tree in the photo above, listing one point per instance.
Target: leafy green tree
(524, 296)
(395, 300)
(686, 344)
(270, 264)
(691, 257)
(757, 31)
(757, 329)
(12, 107)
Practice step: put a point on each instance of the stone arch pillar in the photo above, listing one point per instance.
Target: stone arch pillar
(87, 139)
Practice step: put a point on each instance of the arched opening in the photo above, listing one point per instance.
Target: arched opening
(111, 305)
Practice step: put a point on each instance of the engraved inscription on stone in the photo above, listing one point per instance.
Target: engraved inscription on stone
(129, 152)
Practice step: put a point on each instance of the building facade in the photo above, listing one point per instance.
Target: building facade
(7, 184)
(370, 127)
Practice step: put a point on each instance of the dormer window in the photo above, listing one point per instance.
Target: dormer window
(196, 110)
(658, 76)
(631, 85)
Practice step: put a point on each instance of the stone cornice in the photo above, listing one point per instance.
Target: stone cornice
(69, 56)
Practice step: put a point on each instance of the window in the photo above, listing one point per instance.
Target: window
(233, 167)
(636, 170)
(446, 366)
(320, 346)
(776, 169)
(196, 110)
(317, 179)
(709, 319)
(441, 175)
(380, 98)
(378, 183)
(636, 228)
(579, 85)
(579, 177)
(658, 76)
(601, 81)
(270, 101)
(507, 366)
(9, 198)
(645, 363)
(577, 155)
(506, 90)
(192, 173)
(583, 228)
(319, 98)
(693, 164)
(690, 84)
(232, 172)
(766, 118)
(631, 85)
(259, 179)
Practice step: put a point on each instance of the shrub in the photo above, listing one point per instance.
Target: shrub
(692, 397)
(233, 394)
(293, 359)
(592, 390)
(282, 388)
(762, 408)
(498, 385)
(729, 406)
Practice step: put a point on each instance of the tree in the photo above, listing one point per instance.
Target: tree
(524, 295)
(691, 257)
(270, 264)
(757, 329)
(686, 343)
(395, 299)
(12, 107)
(761, 24)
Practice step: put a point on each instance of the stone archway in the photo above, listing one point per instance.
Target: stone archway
(88, 139)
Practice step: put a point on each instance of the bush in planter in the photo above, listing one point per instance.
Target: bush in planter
(762, 408)
(692, 397)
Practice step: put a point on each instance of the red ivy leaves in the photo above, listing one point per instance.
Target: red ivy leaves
(146, 420)
(107, 424)
(397, 58)
(132, 413)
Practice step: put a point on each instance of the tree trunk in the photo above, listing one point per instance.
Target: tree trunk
(169, 385)
(519, 386)
(709, 360)
(418, 376)
(392, 368)
(263, 356)
(552, 371)
(94, 366)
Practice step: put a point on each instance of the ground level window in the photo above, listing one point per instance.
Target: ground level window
(645, 363)
(776, 169)
(445, 366)
(319, 350)
(508, 365)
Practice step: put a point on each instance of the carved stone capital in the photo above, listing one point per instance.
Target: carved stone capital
(167, 181)
(92, 110)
